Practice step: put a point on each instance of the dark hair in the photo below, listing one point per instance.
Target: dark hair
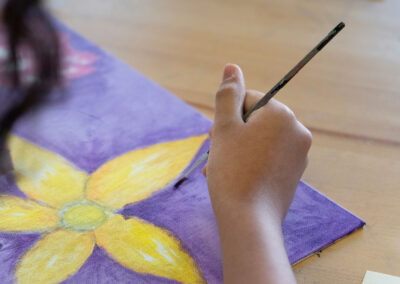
(26, 24)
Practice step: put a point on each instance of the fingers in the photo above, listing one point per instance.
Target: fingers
(230, 96)
(272, 108)
(276, 110)
(251, 98)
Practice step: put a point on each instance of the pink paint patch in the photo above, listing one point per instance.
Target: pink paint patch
(76, 63)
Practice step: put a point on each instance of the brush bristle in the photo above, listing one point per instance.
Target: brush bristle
(179, 182)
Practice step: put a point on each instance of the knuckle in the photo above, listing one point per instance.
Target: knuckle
(288, 113)
(306, 137)
(227, 90)
(284, 113)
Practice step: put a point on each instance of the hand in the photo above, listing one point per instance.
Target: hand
(252, 173)
(258, 163)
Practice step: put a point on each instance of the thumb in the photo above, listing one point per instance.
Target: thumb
(230, 96)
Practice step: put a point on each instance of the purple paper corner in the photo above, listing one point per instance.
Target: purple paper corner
(314, 222)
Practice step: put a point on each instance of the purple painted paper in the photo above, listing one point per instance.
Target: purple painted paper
(113, 110)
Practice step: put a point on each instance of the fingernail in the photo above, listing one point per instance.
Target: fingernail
(229, 72)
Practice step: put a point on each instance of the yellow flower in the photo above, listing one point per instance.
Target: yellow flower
(75, 211)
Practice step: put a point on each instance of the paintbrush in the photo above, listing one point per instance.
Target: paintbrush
(264, 100)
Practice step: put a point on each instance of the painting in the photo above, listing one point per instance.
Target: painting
(91, 197)
(74, 211)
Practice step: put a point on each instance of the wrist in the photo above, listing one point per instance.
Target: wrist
(241, 212)
(265, 201)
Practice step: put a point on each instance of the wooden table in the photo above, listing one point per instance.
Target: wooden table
(348, 96)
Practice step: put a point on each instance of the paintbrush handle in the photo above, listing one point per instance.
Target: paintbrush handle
(264, 100)
(198, 162)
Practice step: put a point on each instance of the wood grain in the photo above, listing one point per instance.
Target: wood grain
(348, 95)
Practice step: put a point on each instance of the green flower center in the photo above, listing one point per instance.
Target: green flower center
(83, 216)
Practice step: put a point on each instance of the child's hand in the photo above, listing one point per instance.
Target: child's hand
(256, 164)
(252, 173)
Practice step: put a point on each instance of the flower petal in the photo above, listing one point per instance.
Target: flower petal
(55, 257)
(147, 249)
(45, 176)
(18, 214)
(136, 175)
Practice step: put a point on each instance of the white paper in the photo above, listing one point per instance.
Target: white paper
(380, 278)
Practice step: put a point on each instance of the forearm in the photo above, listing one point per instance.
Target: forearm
(252, 246)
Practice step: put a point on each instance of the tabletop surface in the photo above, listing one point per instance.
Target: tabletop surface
(348, 95)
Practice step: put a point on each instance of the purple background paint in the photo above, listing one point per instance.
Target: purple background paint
(115, 110)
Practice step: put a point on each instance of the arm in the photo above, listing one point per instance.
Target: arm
(252, 172)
